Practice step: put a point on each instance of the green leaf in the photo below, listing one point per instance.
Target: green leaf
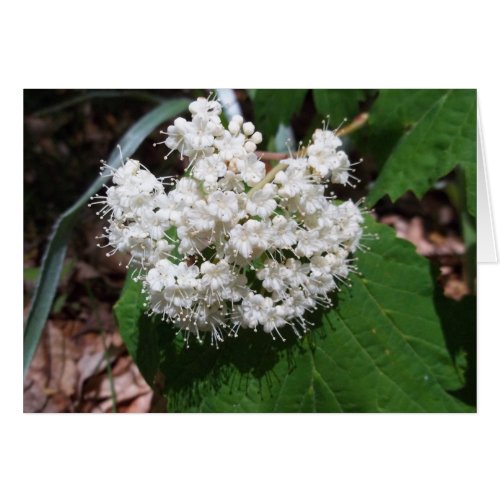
(402, 108)
(439, 138)
(471, 187)
(273, 107)
(55, 251)
(139, 333)
(392, 115)
(385, 347)
(338, 103)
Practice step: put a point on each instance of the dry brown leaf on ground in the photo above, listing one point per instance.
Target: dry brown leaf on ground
(53, 372)
(128, 383)
(69, 372)
(141, 404)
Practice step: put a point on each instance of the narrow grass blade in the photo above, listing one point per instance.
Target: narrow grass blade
(55, 251)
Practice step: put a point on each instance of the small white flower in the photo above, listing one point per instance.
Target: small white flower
(319, 265)
(262, 202)
(252, 170)
(200, 137)
(274, 276)
(215, 276)
(123, 174)
(231, 182)
(312, 199)
(161, 250)
(298, 303)
(199, 218)
(230, 146)
(192, 241)
(320, 284)
(254, 309)
(176, 134)
(340, 168)
(206, 108)
(324, 140)
(147, 182)
(223, 205)
(283, 232)
(274, 318)
(177, 283)
(195, 138)
(249, 239)
(186, 193)
(237, 289)
(309, 243)
(154, 224)
(298, 275)
(161, 276)
(209, 169)
(292, 182)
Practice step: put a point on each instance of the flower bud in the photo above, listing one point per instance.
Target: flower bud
(234, 127)
(248, 128)
(250, 147)
(256, 138)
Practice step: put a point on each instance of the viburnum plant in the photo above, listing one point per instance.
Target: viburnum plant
(249, 239)
(230, 245)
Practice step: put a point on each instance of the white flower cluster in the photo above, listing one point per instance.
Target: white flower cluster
(231, 246)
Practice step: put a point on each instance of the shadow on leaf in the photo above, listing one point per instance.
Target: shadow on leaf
(191, 373)
(458, 323)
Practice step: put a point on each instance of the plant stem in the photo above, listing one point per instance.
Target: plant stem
(356, 124)
(268, 178)
(271, 156)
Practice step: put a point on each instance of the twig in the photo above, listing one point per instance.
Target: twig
(358, 122)
(270, 156)
(268, 178)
